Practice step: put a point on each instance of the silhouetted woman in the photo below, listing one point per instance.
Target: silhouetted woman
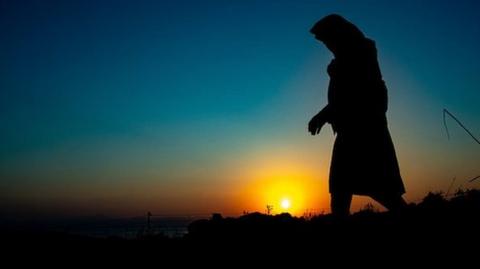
(363, 159)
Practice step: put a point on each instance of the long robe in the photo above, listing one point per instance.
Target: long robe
(363, 160)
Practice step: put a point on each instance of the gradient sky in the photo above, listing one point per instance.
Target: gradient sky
(193, 107)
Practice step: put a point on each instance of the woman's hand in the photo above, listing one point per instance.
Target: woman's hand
(316, 123)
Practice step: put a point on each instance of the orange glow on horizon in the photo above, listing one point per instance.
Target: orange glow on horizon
(286, 186)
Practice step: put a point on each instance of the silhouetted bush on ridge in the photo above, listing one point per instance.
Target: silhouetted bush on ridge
(434, 217)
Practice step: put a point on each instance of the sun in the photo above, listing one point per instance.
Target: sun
(285, 203)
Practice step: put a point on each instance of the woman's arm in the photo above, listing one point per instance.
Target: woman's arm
(317, 122)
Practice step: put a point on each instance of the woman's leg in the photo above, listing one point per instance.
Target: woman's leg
(393, 203)
(340, 204)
